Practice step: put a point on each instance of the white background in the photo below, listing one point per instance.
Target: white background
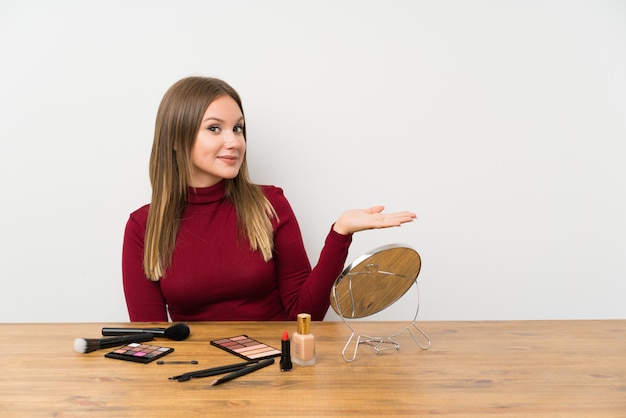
(502, 124)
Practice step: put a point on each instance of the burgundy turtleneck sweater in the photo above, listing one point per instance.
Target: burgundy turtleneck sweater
(216, 277)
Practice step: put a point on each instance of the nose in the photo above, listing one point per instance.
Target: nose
(232, 140)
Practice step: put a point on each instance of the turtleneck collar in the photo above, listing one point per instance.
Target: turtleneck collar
(203, 195)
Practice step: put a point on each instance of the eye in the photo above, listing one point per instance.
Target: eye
(214, 128)
(238, 129)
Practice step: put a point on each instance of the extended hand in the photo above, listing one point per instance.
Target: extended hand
(357, 220)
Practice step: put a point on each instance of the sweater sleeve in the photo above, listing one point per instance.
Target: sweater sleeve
(303, 289)
(144, 299)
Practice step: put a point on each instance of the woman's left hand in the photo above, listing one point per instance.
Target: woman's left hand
(356, 220)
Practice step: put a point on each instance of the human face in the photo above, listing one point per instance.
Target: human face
(220, 146)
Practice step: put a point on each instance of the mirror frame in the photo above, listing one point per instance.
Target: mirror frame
(375, 281)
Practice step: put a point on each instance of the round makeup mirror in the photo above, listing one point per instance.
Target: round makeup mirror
(372, 283)
(375, 281)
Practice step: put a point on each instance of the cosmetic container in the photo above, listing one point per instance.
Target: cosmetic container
(303, 353)
(285, 357)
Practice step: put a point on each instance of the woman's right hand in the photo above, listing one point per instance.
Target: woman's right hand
(356, 220)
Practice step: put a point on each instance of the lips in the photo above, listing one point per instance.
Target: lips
(229, 159)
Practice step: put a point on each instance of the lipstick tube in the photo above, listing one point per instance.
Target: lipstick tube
(285, 357)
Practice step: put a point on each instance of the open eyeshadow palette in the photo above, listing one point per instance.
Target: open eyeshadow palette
(138, 352)
(246, 347)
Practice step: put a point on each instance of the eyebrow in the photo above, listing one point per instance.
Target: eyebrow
(241, 119)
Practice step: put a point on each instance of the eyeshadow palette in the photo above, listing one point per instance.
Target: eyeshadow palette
(246, 347)
(138, 352)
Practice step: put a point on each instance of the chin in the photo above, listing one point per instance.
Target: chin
(230, 176)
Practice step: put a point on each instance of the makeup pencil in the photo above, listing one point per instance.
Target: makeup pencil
(243, 371)
(214, 371)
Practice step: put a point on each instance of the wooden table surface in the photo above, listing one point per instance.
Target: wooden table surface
(473, 369)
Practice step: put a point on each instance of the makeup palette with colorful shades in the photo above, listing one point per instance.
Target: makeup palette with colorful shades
(246, 347)
(139, 353)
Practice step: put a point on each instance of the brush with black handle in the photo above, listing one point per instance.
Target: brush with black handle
(177, 332)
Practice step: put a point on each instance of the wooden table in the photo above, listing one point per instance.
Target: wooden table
(473, 369)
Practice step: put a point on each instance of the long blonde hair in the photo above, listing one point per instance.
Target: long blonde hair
(177, 125)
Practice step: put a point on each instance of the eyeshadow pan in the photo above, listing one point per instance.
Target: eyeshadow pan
(246, 347)
(264, 354)
(264, 349)
(250, 348)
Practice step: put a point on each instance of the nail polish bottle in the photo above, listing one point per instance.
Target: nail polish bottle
(303, 342)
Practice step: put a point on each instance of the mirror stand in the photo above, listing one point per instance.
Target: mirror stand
(371, 284)
(380, 343)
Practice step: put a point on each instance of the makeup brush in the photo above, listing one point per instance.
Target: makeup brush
(87, 345)
(177, 332)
